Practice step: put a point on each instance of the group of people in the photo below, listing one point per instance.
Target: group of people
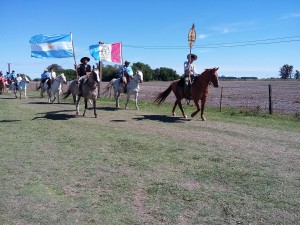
(11, 78)
(125, 73)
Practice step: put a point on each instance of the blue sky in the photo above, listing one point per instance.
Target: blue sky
(241, 37)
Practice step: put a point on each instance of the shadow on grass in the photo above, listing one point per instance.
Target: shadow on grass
(9, 121)
(56, 115)
(162, 118)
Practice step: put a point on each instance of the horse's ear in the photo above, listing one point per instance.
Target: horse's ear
(216, 68)
(93, 67)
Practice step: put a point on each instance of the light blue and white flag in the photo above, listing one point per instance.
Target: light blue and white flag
(51, 46)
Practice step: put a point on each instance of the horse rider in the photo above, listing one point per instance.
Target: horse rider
(45, 76)
(83, 71)
(189, 74)
(12, 78)
(52, 76)
(128, 74)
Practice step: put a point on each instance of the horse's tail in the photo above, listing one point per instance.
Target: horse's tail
(66, 94)
(109, 86)
(161, 97)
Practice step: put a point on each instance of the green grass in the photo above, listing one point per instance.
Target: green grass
(146, 167)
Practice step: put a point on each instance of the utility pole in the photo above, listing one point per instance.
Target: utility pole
(100, 72)
(8, 67)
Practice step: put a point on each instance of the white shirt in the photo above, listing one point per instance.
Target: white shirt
(53, 75)
(190, 67)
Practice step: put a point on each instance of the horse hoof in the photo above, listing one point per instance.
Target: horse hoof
(185, 116)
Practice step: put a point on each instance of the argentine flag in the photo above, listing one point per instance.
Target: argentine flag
(51, 46)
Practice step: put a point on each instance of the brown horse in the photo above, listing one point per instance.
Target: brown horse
(199, 91)
(89, 91)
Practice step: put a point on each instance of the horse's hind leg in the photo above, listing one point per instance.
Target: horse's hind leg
(174, 107)
(127, 100)
(85, 106)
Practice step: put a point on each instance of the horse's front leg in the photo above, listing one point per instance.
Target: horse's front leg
(77, 105)
(58, 97)
(117, 96)
(202, 109)
(85, 106)
(127, 100)
(197, 110)
(135, 99)
(181, 109)
(94, 105)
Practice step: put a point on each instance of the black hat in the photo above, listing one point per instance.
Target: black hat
(126, 62)
(192, 56)
(84, 58)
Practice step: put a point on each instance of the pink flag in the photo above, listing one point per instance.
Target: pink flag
(111, 52)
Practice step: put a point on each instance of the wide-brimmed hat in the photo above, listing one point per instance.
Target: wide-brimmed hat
(84, 58)
(192, 56)
(126, 62)
(45, 70)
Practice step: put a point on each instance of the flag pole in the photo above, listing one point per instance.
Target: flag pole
(75, 65)
(100, 71)
(122, 64)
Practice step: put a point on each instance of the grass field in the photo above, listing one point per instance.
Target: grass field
(146, 167)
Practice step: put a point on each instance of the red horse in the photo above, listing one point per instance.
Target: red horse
(199, 91)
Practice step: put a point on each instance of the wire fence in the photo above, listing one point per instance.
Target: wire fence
(265, 96)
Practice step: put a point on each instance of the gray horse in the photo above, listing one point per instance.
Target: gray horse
(89, 91)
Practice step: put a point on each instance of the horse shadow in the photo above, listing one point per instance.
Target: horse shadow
(56, 115)
(9, 121)
(162, 118)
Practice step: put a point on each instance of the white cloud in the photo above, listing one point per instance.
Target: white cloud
(202, 36)
(291, 16)
(235, 27)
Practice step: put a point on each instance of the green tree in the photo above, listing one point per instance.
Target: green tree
(165, 74)
(297, 74)
(286, 71)
(145, 68)
(55, 67)
(109, 72)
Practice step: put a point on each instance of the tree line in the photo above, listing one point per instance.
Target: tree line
(159, 74)
(111, 71)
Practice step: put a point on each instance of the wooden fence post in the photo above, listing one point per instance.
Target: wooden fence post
(221, 99)
(270, 100)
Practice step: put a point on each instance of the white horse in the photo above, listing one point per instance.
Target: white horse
(20, 85)
(132, 88)
(55, 89)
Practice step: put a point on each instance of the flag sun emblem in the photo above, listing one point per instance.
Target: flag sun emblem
(105, 51)
(51, 46)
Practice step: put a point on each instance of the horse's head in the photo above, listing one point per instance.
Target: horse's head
(213, 75)
(63, 77)
(140, 76)
(95, 75)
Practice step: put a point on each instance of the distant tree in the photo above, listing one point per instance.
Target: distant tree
(145, 68)
(109, 72)
(286, 71)
(69, 73)
(55, 67)
(165, 74)
(21, 74)
(297, 74)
